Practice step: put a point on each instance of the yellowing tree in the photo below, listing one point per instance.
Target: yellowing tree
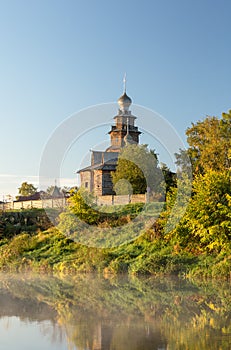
(207, 222)
(210, 143)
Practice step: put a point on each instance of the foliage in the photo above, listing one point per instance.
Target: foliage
(93, 225)
(150, 253)
(14, 222)
(210, 143)
(177, 200)
(81, 205)
(190, 236)
(206, 226)
(170, 180)
(184, 162)
(207, 223)
(137, 169)
(26, 189)
(82, 208)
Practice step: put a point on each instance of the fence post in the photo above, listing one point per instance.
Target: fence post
(147, 197)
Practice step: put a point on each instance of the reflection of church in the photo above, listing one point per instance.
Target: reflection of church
(97, 177)
(126, 333)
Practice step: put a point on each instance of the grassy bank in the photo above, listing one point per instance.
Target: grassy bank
(29, 242)
(51, 251)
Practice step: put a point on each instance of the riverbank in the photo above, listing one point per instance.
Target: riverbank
(51, 251)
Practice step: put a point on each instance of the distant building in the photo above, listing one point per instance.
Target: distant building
(33, 197)
(55, 193)
(97, 176)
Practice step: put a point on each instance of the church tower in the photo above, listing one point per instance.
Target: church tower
(97, 177)
(124, 127)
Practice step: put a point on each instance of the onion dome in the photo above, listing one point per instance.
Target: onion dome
(124, 102)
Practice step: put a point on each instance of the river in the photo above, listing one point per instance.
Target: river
(88, 312)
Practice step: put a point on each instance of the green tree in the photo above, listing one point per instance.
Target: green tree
(137, 170)
(81, 204)
(27, 189)
(184, 162)
(170, 178)
(210, 143)
(207, 223)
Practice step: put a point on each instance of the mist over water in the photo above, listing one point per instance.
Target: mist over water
(88, 312)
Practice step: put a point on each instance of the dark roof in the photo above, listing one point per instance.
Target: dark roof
(56, 193)
(105, 161)
(96, 157)
(109, 165)
(115, 149)
(33, 197)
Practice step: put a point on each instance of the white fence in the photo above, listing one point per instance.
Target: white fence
(39, 204)
(125, 199)
(62, 202)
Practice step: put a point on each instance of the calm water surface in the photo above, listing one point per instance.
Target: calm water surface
(87, 312)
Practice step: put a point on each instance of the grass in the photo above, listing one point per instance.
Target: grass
(146, 252)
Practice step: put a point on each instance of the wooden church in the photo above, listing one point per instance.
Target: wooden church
(97, 177)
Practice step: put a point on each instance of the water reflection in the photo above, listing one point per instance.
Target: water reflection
(86, 312)
(16, 333)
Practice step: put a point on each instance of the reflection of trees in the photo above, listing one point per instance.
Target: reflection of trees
(25, 308)
(121, 313)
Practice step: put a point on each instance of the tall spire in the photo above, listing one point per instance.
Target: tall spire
(125, 82)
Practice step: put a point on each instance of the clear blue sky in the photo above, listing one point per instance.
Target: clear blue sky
(58, 57)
